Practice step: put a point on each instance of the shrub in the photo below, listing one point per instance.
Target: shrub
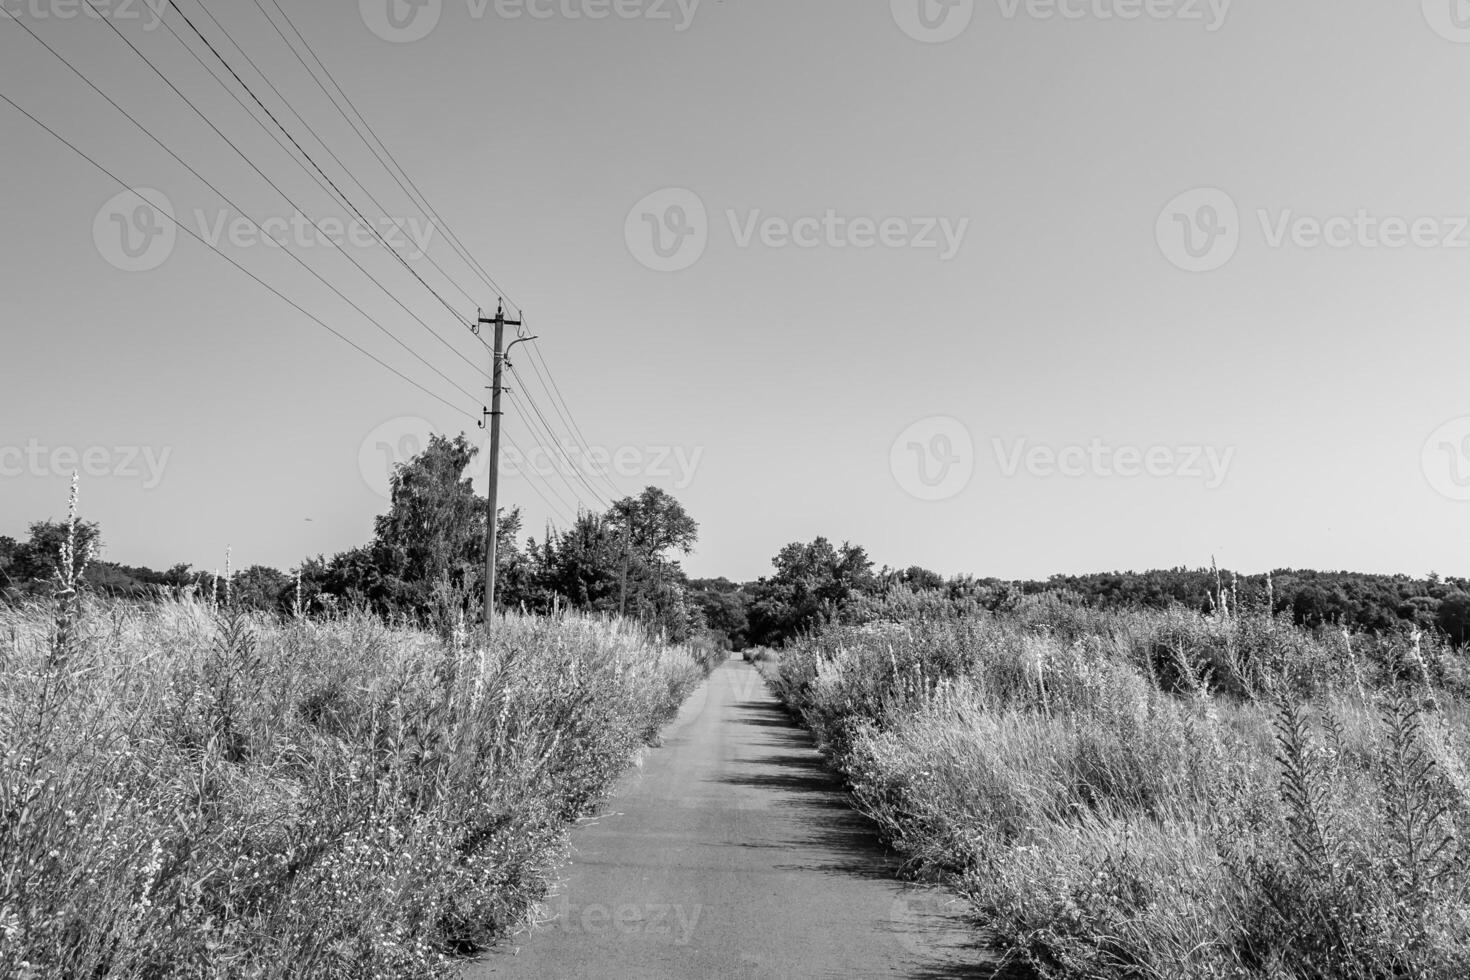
(190, 792)
(1156, 794)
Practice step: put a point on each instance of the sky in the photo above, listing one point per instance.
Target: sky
(997, 287)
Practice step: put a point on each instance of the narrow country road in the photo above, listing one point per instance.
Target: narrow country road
(731, 853)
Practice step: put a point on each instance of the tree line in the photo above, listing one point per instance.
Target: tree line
(426, 559)
(426, 562)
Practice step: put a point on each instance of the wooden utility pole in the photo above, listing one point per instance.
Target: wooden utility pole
(498, 352)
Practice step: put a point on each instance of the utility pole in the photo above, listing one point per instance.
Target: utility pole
(499, 352)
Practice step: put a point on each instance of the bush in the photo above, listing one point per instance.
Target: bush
(1155, 794)
(189, 792)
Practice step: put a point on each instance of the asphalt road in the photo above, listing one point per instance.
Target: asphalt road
(731, 853)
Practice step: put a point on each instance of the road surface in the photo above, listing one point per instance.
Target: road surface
(731, 853)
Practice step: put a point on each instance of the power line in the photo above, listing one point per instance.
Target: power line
(226, 198)
(300, 149)
(286, 197)
(540, 435)
(554, 392)
(323, 143)
(430, 212)
(511, 439)
(188, 231)
(557, 399)
(551, 437)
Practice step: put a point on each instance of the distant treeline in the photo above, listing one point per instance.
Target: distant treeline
(426, 561)
(818, 583)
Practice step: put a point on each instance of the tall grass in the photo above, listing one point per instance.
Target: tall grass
(187, 791)
(1155, 795)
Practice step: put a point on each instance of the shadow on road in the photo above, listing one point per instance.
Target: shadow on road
(844, 841)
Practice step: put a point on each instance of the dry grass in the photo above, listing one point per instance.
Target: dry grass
(1158, 796)
(186, 791)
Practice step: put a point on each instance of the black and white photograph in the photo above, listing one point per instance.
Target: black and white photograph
(734, 490)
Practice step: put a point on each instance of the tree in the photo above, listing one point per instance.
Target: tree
(8, 550)
(653, 524)
(1454, 617)
(38, 560)
(582, 564)
(427, 557)
(811, 585)
(259, 587)
(723, 605)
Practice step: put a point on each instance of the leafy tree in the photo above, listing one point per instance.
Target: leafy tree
(428, 551)
(37, 560)
(653, 524)
(1454, 617)
(259, 587)
(723, 605)
(9, 547)
(582, 565)
(811, 584)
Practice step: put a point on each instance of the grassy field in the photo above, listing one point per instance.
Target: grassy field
(1156, 795)
(187, 792)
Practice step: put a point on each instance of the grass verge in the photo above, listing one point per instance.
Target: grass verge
(190, 792)
(1149, 795)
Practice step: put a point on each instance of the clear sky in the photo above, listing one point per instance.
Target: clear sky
(1198, 286)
